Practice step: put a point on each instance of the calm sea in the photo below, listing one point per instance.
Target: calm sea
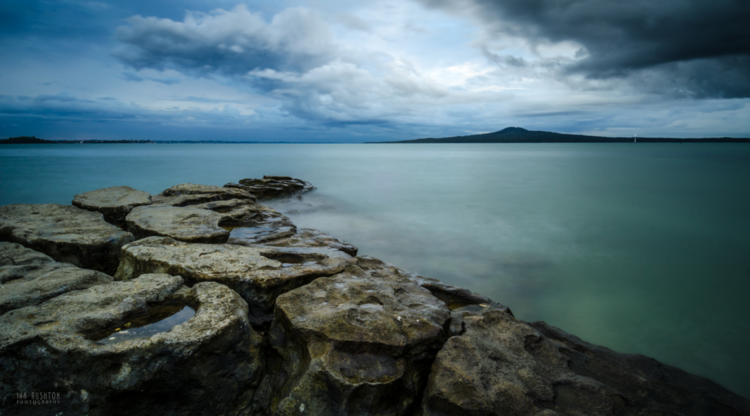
(643, 248)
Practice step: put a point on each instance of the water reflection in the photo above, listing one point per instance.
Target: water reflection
(159, 320)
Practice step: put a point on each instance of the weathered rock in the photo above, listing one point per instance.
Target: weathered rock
(12, 254)
(239, 213)
(259, 274)
(454, 297)
(353, 345)
(503, 366)
(28, 277)
(191, 194)
(271, 187)
(304, 237)
(237, 207)
(206, 366)
(66, 233)
(184, 224)
(114, 203)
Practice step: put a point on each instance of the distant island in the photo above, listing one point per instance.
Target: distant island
(507, 135)
(521, 135)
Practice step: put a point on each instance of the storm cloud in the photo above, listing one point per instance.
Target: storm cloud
(693, 48)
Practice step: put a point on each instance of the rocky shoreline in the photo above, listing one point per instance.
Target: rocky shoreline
(202, 301)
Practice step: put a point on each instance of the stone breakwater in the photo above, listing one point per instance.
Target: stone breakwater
(201, 301)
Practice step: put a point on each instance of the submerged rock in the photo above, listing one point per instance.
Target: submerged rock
(503, 366)
(184, 224)
(258, 273)
(66, 233)
(353, 345)
(114, 203)
(28, 277)
(271, 187)
(208, 365)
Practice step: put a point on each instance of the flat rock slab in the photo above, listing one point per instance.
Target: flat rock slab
(350, 343)
(209, 364)
(115, 203)
(184, 224)
(66, 233)
(259, 274)
(244, 213)
(453, 297)
(186, 194)
(503, 366)
(28, 277)
(304, 237)
(271, 187)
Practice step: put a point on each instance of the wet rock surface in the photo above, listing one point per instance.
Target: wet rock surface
(208, 365)
(271, 187)
(28, 277)
(236, 208)
(191, 194)
(306, 237)
(66, 233)
(258, 273)
(184, 224)
(115, 203)
(503, 366)
(352, 344)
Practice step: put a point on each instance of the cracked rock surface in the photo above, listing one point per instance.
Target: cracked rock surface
(184, 224)
(307, 237)
(28, 277)
(258, 273)
(115, 202)
(503, 366)
(66, 233)
(205, 366)
(271, 187)
(351, 343)
(191, 194)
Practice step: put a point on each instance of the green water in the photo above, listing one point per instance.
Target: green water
(639, 247)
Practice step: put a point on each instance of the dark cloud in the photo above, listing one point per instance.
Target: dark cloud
(688, 42)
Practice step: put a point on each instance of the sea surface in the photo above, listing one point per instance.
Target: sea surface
(643, 248)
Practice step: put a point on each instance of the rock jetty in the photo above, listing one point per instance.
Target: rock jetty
(201, 301)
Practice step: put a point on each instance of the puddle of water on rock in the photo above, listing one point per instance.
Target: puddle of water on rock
(159, 320)
(249, 233)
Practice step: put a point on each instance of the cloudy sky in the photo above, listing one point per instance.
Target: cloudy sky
(323, 71)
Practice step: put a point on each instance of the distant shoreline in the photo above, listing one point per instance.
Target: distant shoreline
(508, 135)
(521, 135)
